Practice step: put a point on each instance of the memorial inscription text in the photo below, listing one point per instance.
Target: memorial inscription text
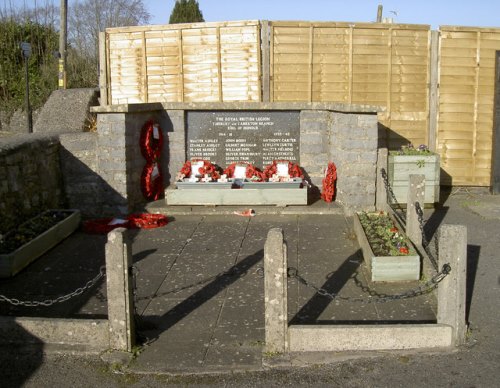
(227, 137)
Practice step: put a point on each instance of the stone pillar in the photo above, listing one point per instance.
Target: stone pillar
(416, 193)
(275, 292)
(120, 296)
(381, 190)
(452, 289)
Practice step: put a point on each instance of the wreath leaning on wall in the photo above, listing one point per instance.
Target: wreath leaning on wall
(151, 144)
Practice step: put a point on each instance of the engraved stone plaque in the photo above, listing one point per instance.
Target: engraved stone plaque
(256, 137)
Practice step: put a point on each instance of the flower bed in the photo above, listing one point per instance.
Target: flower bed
(388, 253)
(30, 240)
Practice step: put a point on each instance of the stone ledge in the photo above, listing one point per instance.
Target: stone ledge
(369, 337)
(157, 106)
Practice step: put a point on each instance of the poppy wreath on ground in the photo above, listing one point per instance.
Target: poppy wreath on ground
(294, 170)
(151, 143)
(212, 170)
(137, 221)
(328, 192)
(251, 172)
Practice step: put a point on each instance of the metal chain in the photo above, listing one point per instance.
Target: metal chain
(395, 201)
(376, 297)
(425, 242)
(60, 299)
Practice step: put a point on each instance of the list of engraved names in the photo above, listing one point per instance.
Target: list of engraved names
(255, 137)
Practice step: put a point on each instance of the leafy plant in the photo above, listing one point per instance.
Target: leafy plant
(409, 149)
(384, 236)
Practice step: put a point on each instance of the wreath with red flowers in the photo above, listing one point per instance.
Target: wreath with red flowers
(294, 170)
(328, 192)
(252, 172)
(208, 168)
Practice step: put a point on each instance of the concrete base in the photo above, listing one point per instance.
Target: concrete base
(83, 335)
(368, 337)
(280, 197)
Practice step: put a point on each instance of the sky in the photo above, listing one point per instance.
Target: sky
(479, 13)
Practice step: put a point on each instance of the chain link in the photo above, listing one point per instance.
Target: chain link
(60, 299)
(425, 242)
(374, 296)
(398, 209)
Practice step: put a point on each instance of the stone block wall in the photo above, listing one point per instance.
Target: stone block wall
(30, 178)
(353, 148)
(82, 184)
(119, 160)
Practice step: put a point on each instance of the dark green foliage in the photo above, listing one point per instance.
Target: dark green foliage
(31, 229)
(42, 66)
(186, 11)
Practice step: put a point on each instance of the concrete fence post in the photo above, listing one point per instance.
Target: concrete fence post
(120, 296)
(452, 289)
(381, 192)
(275, 292)
(416, 193)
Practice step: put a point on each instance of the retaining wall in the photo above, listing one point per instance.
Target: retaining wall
(30, 177)
(39, 172)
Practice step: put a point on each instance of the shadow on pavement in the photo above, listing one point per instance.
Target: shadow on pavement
(311, 311)
(21, 358)
(473, 252)
(190, 304)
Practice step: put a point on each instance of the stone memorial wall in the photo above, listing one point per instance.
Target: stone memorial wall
(311, 134)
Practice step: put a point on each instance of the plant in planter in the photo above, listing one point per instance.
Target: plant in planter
(410, 160)
(387, 250)
(31, 239)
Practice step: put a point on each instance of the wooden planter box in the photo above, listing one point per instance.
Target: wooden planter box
(400, 167)
(387, 268)
(12, 263)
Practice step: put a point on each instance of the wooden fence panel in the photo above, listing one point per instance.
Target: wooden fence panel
(466, 104)
(376, 64)
(184, 62)
(364, 63)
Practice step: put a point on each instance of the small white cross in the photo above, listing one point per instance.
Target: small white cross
(223, 178)
(206, 178)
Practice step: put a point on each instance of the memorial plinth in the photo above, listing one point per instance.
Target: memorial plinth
(237, 193)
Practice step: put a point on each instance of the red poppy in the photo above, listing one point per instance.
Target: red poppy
(404, 250)
(394, 230)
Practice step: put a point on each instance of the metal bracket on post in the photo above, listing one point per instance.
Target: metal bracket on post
(275, 292)
(119, 289)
